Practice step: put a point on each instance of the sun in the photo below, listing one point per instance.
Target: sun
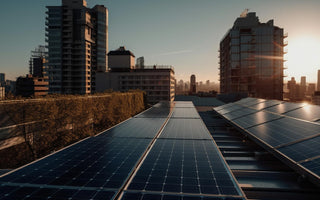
(303, 58)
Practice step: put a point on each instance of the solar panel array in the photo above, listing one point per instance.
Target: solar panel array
(163, 153)
(290, 131)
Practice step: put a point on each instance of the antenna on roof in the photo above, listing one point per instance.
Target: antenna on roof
(244, 13)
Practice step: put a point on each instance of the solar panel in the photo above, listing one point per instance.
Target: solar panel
(313, 166)
(183, 104)
(284, 130)
(137, 127)
(302, 150)
(255, 119)
(155, 112)
(95, 163)
(223, 106)
(284, 107)
(308, 112)
(232, 108)
(265, 104)
(185, 113)
(185, 166)
(155, 196)
(250, 102)
(8, 192)
(239, 113)
(185, 129)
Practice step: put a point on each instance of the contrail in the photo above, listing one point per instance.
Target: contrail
(174, 53)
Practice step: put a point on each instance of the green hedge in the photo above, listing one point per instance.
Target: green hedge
(54, 122)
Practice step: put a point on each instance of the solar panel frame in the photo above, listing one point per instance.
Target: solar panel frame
(284, 107)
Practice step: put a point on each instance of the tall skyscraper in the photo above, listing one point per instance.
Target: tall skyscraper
(318, 83)
(303, 87)
(193, 86)
(251, 58)
(2, 79)
(77, 40)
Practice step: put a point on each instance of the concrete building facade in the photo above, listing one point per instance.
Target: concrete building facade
(30, 86)
(2, 79)
(157, 81)
(251, 58)
(77, 41)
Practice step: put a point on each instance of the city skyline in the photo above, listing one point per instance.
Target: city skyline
(185, 34)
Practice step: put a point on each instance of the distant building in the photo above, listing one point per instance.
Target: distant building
(37, 63)
(292, 89)
(10, 87)
(121, 60)
(140, 63)
(316, 98)
(157, 81)
(251, 58)
(193, 85)
(311, 88)
(318, 83)
(30, 86)
(77, 39)
(303, 87)
(2, 92)
(2, 79)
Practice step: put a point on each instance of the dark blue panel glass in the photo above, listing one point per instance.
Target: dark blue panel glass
(99, 162)
(284, 130)
(239, 113)
(303, 150)
(185, 113)
(35, 193)
(255, 119)
(284, 107)
(229, 109)
(137, 127)
(186, 166)
(313, 166)
(265, 104)
(157, 196)
(308, 112)
(185, 129)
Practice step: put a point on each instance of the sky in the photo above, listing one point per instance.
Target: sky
(182, 33)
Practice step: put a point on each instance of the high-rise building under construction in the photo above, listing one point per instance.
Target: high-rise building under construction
(251, 58)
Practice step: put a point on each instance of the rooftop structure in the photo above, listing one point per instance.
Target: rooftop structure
(145, 157)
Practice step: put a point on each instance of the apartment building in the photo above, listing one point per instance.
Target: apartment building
(77, 42)
(251, 58)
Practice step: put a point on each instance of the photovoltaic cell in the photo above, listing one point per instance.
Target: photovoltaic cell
(155, 112)
(284, 130)
(284, 107)
(137, 127)
(313, 165)
(308, 112)
(183, 104)
(265, 104)
(100, 162)
(251, 102)
(185, 113)
(36, 193)
(185, 129)
(184, 166)
(239, 113)
(155, 196)
(232, 108)
(303, 150)
(255, 119)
